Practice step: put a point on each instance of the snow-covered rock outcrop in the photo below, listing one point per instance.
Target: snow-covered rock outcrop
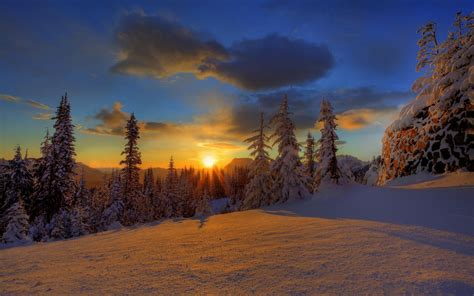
(435, 132)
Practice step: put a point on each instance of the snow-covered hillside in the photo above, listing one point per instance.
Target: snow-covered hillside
(347, 240)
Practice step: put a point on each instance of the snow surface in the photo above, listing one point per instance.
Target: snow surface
(428, 180)
(347, 240)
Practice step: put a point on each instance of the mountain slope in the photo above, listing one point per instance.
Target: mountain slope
(346, 240)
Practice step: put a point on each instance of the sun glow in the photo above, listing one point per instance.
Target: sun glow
(208, 161)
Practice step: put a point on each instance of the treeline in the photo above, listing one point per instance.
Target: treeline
(42, 201)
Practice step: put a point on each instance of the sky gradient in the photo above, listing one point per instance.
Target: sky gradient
(197, 73)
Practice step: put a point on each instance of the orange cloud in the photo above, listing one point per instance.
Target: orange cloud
(355, 119)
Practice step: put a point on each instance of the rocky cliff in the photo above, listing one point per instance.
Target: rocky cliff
(435, 132)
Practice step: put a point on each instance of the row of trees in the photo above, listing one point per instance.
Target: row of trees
(286, 177)
(41, 200)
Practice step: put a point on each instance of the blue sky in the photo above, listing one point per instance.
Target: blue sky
(197, 93)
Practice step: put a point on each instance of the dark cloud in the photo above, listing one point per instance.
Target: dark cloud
(271, 62)
(153, 46)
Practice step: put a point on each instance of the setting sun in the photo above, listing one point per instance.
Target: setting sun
(208, 161)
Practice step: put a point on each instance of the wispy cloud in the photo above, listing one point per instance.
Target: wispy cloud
(28, 102)
(36, 104)
(43, 116)
(10, 98)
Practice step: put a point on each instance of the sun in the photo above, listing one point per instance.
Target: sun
(208, 161)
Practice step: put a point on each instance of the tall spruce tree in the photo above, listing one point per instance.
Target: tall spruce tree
(289, 180)
(63, 150)
(130, 172)
(55, 170)
(328, 167)
(258, 190)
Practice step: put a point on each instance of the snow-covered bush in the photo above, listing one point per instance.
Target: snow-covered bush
(17, 230)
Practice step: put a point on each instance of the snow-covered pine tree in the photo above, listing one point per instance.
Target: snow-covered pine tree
(20, 182)
(113, 214)
(289, 180)
(63, 185)
(17, 229)
(171, 205)
(328, 168)
(309, 156)
(428, 44)
(130, 172)
(258, 190)
(78, 222)
(59, 225)
(38, 231)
